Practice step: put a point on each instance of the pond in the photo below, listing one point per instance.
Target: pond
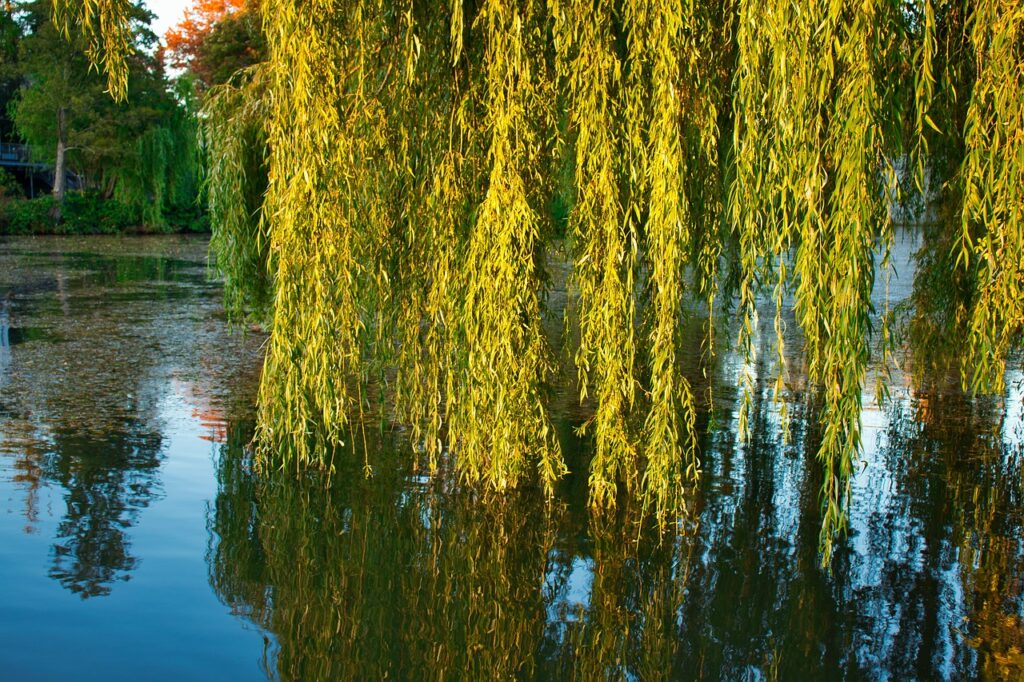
(137, 541)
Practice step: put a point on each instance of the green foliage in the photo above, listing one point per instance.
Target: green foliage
(235, 43)
(141, 149)
(26, 217)
(235, 142)
(10, 188)
(86, 213)
(163, 176)
(10, 37)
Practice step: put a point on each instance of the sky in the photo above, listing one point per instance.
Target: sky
(167, 12)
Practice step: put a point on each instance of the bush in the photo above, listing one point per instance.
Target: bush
(90, 213)
(10, 188)
(187, 218)
(81, 214)
(26, 216)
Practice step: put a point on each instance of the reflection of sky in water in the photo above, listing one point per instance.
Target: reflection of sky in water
(1013, 426)
(572, 587)
(902, 578)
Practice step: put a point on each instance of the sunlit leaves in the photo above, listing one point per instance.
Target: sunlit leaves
(106, 25)
(500, 424)
(807, 203)
(410, 153)
(993, 190)
(606, 239)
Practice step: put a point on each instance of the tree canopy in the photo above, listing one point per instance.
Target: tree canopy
(216, 38)
(141, 149)
(722, 150)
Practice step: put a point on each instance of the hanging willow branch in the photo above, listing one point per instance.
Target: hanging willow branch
(234, 115)
(664, 44)
(606, 241)
(499, 421)
(106, 25)
(304, 396)
(406, 152)
(993, 178)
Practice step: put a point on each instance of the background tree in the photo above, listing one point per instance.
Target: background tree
(140, 149)
(10, 78)
(217, 38)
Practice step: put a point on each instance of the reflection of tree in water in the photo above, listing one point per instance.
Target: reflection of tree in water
(88, 403)
(963, 490)
(395, 577)
(934, 317)
(107, 481)
(364, 579)
(81, 409)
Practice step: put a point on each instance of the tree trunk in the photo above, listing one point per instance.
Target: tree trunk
(59, 170)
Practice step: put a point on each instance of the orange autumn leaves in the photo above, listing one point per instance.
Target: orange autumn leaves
(185, 41)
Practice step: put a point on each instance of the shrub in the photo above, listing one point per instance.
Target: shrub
(26, 216)
(10, 188)
(91, 213)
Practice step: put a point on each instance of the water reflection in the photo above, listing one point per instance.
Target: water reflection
(85, 386)
(382, 577)
(962, 486)
(106, 483)
(110, 361)
(5, 344)
(395, 575)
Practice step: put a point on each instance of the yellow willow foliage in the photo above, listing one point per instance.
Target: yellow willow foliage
(425, 316)
(408, 155)
(447, 173)
(924, 90)
(316, 324)
(107, 28)
(993, 179)
(846, 262)
(605, 268)
(782, 87)
(644, 116)
(810, 171)
(425, 288)
(665, 46)
(498, 419)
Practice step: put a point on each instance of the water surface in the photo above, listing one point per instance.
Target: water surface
(137, 542)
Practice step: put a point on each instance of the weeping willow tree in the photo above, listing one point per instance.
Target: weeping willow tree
(165, 165)
(234, 140)
(735, 152)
